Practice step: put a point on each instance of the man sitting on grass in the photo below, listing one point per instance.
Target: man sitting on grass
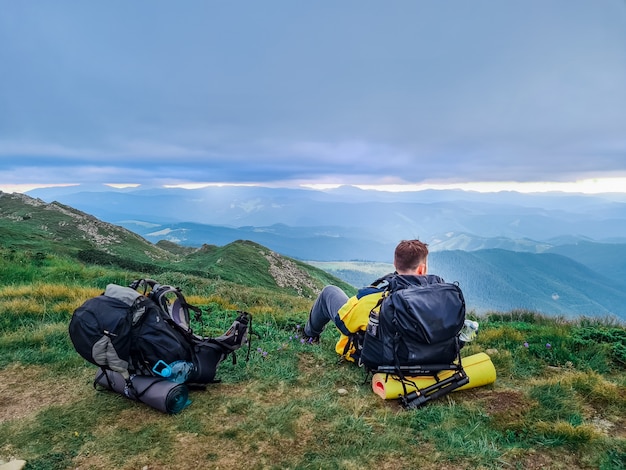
(352, 314)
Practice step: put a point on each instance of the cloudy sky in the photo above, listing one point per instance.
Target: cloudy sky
(331, 91)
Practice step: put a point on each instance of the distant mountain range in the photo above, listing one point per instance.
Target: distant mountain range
(354, 213)
(554, 253)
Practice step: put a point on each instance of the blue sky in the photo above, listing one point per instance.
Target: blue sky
(326, 92)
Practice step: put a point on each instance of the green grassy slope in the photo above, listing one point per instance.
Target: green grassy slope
(33, 225)
(248, 263)
(559, 400)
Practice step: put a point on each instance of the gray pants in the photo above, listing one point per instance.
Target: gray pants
(325, 309)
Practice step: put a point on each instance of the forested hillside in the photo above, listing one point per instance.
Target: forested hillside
(496, 280)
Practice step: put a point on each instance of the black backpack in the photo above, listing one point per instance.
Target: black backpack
(131, 333)
(100, 330)
(416, 322)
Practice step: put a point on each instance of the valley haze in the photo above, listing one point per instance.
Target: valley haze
(555, 253)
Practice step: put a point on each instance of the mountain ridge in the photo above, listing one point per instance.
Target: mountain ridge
(31, 224)
(385, 216)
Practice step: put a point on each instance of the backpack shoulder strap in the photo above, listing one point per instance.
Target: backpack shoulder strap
(177, 310)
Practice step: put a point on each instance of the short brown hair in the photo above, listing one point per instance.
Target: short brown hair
(409, 255)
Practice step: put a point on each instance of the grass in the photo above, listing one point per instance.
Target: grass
(559, 401)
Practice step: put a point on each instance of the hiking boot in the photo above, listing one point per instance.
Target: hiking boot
(237, 334)
(311, 339)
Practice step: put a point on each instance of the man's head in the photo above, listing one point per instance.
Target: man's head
(411, 257)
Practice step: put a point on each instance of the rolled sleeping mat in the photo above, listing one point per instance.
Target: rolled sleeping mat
(478, 368)
(156, 392)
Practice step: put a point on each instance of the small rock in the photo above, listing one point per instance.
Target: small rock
(13, 465)
(342, 391)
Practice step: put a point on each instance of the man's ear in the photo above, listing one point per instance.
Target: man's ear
(421, 269)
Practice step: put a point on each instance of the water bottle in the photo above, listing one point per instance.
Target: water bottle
(372, 324)
(180, 371)
(468, 333)
(177, 371)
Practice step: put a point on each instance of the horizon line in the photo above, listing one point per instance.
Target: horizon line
(586, 186)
